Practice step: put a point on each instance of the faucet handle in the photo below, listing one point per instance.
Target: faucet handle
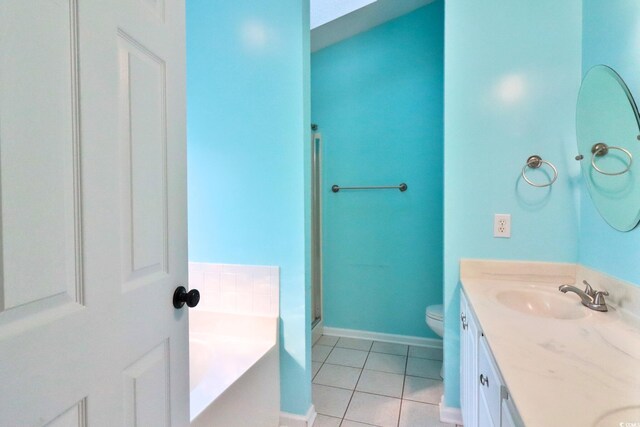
(588, 289)
(598, 297)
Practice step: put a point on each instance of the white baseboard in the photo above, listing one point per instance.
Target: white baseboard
(450, 415)
(294, 420)
(379, 336)
(316, 332)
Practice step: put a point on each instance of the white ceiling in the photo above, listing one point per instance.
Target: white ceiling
(323, 11)
(336, 20)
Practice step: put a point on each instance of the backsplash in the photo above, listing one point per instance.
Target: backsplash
(237, 289)
(625, 296)
(528, 271)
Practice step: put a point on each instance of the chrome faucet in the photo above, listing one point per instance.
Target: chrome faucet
(590, 298)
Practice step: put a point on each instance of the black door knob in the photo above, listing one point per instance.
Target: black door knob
(181, 296)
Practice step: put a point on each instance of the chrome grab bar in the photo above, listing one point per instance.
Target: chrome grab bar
(402, 187)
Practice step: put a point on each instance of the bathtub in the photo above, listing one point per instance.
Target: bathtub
(234, 370)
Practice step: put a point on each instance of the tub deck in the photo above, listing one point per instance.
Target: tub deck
(223, 348)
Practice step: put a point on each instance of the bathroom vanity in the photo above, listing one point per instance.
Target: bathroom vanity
(533, 356)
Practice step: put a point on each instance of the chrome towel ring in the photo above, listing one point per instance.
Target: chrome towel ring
(601, 149)
(535, 162)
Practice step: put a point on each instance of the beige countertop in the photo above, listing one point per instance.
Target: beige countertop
(560, 372)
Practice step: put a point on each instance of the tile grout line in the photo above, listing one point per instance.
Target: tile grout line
(321, 364)
(404, 380)
(314, 376)
(355, 386)
(373, 370)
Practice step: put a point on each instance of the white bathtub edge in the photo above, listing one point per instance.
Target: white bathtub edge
(295, 420)
(195, 411)
(250, 400)
(253, 397)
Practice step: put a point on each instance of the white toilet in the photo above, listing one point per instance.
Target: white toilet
(434, 318)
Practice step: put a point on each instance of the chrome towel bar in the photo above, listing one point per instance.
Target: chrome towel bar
(401, 187)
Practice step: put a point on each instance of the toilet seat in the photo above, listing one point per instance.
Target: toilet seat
(434, 318)
(435, 312)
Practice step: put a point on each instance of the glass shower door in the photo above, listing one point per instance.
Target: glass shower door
(316, 227)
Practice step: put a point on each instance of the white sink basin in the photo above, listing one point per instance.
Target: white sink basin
(542, 304)
(629, 416)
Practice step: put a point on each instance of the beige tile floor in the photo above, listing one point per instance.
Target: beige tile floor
(369, 383)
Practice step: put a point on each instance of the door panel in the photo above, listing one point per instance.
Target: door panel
(143, 122)
(146, 396)
(72, 417)
(39, 161)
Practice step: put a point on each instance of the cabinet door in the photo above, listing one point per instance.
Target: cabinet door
(509, 415)
(484, 414)
(490, 383)
(468, 364)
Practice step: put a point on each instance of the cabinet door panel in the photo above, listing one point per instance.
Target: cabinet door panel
(489, 380)
(484, 414)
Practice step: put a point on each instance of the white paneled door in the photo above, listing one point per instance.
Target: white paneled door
(92, 213)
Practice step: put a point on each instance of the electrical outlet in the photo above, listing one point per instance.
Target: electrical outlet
(502, 225)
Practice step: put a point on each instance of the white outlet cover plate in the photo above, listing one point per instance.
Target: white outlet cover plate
(502, 225)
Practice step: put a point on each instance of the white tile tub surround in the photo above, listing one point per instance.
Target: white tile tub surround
(236, 289)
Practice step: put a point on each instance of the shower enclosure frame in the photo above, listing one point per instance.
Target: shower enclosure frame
(316, 226)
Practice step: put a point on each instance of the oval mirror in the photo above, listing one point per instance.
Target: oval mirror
(607, 127)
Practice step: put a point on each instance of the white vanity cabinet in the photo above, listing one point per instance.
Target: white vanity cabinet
(484, 397)
(469, 335)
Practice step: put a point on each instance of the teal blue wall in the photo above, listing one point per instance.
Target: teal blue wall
(248, 121)
(610, 37)
(512, 73)
(377, 98)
